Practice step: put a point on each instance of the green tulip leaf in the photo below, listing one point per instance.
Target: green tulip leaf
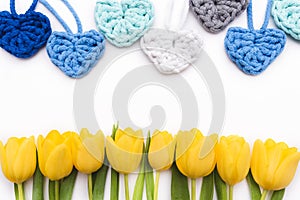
(254, 187)
(99, 182)
(67, 186)
(139, 184)
(16, 191)
(38, 184)
(179, 185)
(278, 195)
(207, 188)
(51, 190)
(114, 182)
(149, 172)
(221, 187)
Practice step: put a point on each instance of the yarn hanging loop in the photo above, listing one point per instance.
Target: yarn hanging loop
(13, 8)
(63, 23)
(267, 15)
(183, 7)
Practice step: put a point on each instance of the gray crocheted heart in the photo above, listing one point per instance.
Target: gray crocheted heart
(170, 51)
(215, 15)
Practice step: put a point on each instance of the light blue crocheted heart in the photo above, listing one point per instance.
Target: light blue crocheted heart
(125, 22)
(75, 54)
(254, 51)
(286, 14)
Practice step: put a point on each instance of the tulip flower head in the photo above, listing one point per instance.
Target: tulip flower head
(54, 154)
(88, 151)
(125, 152)
(190, 159)
(233, 159)
(18, 159)
(161, 150)
(273, 165)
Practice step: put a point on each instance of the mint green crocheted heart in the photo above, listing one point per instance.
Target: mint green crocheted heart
(125, 22)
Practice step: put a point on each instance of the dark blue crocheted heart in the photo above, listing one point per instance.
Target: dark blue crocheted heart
(75, 54)
(23, 35)
(254, 50)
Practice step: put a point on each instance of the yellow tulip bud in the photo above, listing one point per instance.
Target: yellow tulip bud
(233, 159)
(195, 153)
(54, 153)
(18, 159)
(125, 152)
(273, 165)
(88, 151)
(161, 150)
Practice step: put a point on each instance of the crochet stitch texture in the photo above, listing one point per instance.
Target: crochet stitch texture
(74, 54)
(125, 22)
(254, 50)
(215, 15)
(286, 14)
(23, 35)
(171, 51)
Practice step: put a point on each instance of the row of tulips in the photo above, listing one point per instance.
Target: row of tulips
(60, 156)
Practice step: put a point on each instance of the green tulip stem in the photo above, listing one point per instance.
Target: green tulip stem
(56, 190)
(90, 186)
(20, 191)
(126, 187)
(264, 195)
(156, 185)
(231, 192)
(193, 189)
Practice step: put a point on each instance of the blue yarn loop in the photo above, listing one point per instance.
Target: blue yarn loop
(13, 8)
(23, 35)
(254, 50)
(267, 15)
(63, 23)
(74, 54)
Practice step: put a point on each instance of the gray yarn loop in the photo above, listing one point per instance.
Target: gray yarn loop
(215, 15)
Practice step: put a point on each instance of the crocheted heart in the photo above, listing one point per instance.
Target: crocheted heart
(215, 15)
(254, 50)
(23, 35)
(170, 51)
(286, 15)
(125, 22)
(75, 54)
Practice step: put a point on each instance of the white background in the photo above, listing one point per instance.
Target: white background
(36, 97)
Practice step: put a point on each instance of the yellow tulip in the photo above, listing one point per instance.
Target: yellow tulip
(54, 154)
(195, 153)
(18, 159)
(161, 150)
(273, 165)
(125, 152)
(233, 159)
(88, 151)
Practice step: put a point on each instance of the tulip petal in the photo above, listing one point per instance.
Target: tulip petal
(94, 144)
(121, 160)
(25, 162)
(286, 171)
(53, 167)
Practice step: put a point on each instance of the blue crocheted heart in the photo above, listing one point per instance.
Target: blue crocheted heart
(123, 23)
(254, 50)
(23, 35)
(75, 54)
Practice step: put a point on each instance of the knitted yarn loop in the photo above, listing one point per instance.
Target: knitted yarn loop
(215, 15)
(23, 35)
(125, 22)
(286, 15)
(74, 54)
(254, 50)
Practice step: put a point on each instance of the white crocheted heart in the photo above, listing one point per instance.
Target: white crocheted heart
(170, 51)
